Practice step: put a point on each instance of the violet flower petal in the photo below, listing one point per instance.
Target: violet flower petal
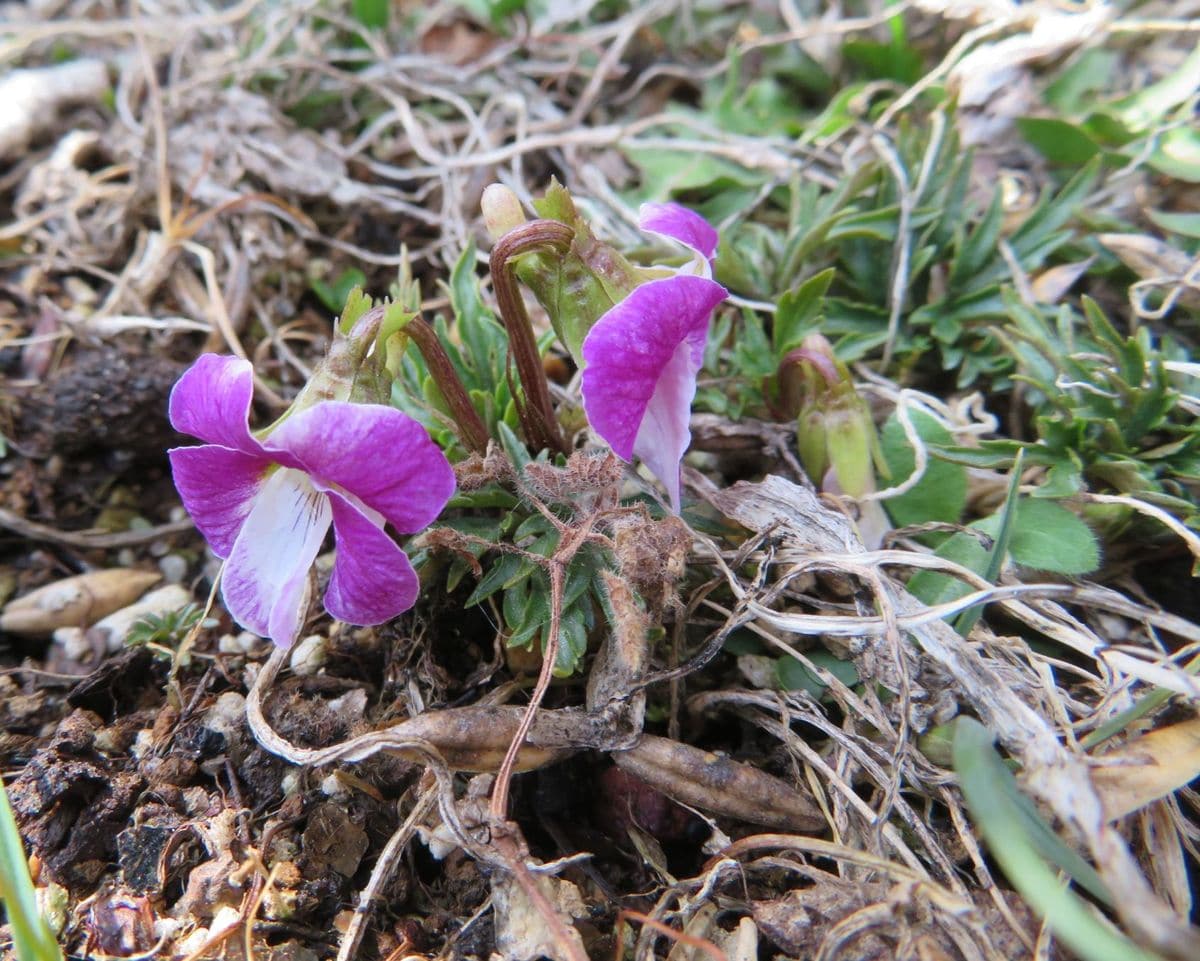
(378, 454)
(265, 585)
(664, 435)
(218, 487)
(630, 349)
(679, 223)
(372, 578)
(212, 401)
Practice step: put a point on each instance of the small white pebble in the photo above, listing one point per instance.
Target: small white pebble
(174, 568)
(142, 743)
(228, 644)
(225, 716)
(331, 786)
(196, 801)
(74, 643)
(159, 548)
(309, 655)
(125, 557)
(290, 784)
(177, 514)
(193, 943)
(247, 642)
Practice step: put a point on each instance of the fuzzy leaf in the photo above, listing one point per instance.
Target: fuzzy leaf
(941, 493)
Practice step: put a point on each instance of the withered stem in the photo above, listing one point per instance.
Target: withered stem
(470, 428)
(537, 412)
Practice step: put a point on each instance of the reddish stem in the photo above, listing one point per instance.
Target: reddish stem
(537, 412)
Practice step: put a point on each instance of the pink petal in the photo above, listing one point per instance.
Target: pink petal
(681, 224)
(212, 401)
(664, 434)
(372, 579)
(218, 487)
(265, 585)
(630, 349)
(378, 454)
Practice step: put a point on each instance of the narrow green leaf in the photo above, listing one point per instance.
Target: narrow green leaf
(31, 935)
(989, 790)
(1059, 142)
(1003, 536)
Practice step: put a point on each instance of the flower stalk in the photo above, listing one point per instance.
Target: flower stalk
(470, 426)
(538, 419)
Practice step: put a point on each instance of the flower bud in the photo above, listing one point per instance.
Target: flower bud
(576, 287)
(835, 436)
(501, 210)
(354, 369)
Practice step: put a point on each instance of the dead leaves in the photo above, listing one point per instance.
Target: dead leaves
(1148, 768)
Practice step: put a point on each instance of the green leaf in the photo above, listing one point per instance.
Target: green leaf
(508, 569)
(667, 173)
(933, 587)
(1150, 105)
(1059, 142)
(992, 799)
(794, 675)
(32, 937)
(999, 551)
(885, 61)
(1178, 154)
(1048, 537)
(1073, 91)
(335, 295)
(799, 312)
(978, 248)
(1186, 225)
(941, 494)
(371, 13)
(572, 642)
(513, 447)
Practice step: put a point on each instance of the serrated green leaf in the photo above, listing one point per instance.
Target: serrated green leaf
(799, 312)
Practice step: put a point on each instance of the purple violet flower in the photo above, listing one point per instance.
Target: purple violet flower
(642, 356)
(265, 506)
